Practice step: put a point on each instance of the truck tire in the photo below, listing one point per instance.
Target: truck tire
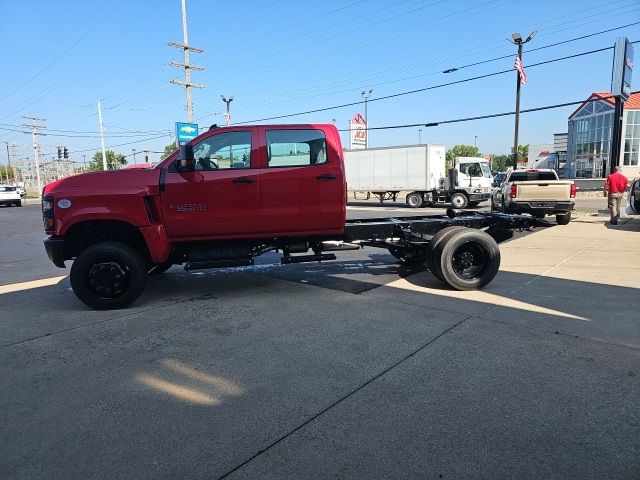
(563, 218)
(108, 275)
(416, 256)
(459, 200)
(437, 239)
(414, 200)
(159, 268)
(468, 259)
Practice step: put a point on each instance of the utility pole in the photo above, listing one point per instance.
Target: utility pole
(419, 136)
(186, 48)
(84, 162)
(475, 141)
(104, 152)
(366, 96)
(36, 148)
(134, 156)
(517, 40)
(228, 102)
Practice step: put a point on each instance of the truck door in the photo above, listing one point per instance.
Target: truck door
(220, 198)
(302, 186)
(472, 175)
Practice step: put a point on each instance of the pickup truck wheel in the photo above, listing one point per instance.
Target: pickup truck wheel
(459, 200)
(160, 268)
(563, 218)
(468, 260)
(416, 256)
(437, 240)
(414, 200)
(108, 275)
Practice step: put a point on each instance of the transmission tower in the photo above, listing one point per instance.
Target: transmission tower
(186, 48)
(36, 147)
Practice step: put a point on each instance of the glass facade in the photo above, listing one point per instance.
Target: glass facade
(589, 142)
(632, 139)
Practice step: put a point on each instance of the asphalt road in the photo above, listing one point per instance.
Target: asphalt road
(357, 368)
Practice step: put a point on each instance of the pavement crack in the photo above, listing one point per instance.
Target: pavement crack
(344, 397)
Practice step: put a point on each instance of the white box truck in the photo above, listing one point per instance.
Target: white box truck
(420, 171)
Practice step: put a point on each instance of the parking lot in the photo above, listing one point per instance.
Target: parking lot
(354, 368)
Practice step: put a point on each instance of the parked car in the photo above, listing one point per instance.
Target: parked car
(538, 192)
(633, 198)
(10, 196)
(498, 179)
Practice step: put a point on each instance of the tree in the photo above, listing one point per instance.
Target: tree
(523, 153)
(169, 149)
(460, 151)
(501, 162)
(114, 161)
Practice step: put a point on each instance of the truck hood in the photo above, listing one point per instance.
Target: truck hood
(133, 181)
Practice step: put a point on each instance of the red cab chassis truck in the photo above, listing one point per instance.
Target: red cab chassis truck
(237, 192)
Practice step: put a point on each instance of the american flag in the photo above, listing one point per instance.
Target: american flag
(518, 66)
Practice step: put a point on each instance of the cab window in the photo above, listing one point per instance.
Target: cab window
(290, 148)
(224, 151)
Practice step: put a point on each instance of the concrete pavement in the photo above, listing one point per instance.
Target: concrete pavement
(339, 370)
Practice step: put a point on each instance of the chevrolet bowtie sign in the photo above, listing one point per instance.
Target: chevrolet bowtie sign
(186, 132)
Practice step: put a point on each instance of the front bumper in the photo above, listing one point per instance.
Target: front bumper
(478, 197)
(54, 247)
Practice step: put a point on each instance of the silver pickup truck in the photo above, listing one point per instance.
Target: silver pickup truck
(538, 192)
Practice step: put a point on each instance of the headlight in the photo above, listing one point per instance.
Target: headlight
(47, 215)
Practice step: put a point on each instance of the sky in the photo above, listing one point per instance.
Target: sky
(281, 57)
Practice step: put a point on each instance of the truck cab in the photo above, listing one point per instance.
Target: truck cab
(468, 183)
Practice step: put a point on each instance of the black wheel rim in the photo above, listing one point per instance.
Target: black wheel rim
(108, 278)
(470, 260)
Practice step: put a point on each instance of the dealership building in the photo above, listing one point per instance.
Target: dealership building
(590, 134)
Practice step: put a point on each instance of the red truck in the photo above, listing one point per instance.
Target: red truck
(235, 193)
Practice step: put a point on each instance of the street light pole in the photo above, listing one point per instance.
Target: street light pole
(228, 102)
(419, 136)
(134, 156)
(517, 40)
(366, 96)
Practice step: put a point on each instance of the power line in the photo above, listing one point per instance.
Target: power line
(418, 90)
(123, 144)
(369, 81)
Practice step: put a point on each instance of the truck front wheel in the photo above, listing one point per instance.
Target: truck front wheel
(108, 275)
(467, 259)
(459, 200)
(414, 200)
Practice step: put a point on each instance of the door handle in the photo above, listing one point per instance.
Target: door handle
(326, 176)
(243, 180)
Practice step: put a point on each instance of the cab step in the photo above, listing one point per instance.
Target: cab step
(236, 262)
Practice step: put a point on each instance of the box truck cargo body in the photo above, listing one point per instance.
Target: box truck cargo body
(420, 171)
(417, 167)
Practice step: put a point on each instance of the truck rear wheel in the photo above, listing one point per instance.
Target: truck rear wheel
(414, 200)
(563, 218)
(467, 259)
(459, 200)
(437, 239)
(108, 275)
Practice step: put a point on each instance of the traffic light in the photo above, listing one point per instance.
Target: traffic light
(66, 152)
(59, 153)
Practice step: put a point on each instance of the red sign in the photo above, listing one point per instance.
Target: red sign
(357, 118)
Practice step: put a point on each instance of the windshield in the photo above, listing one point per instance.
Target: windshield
(531, 176)
(486, 170)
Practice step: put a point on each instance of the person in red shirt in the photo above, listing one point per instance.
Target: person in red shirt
(614, 187)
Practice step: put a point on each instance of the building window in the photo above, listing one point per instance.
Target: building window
(632, 139)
